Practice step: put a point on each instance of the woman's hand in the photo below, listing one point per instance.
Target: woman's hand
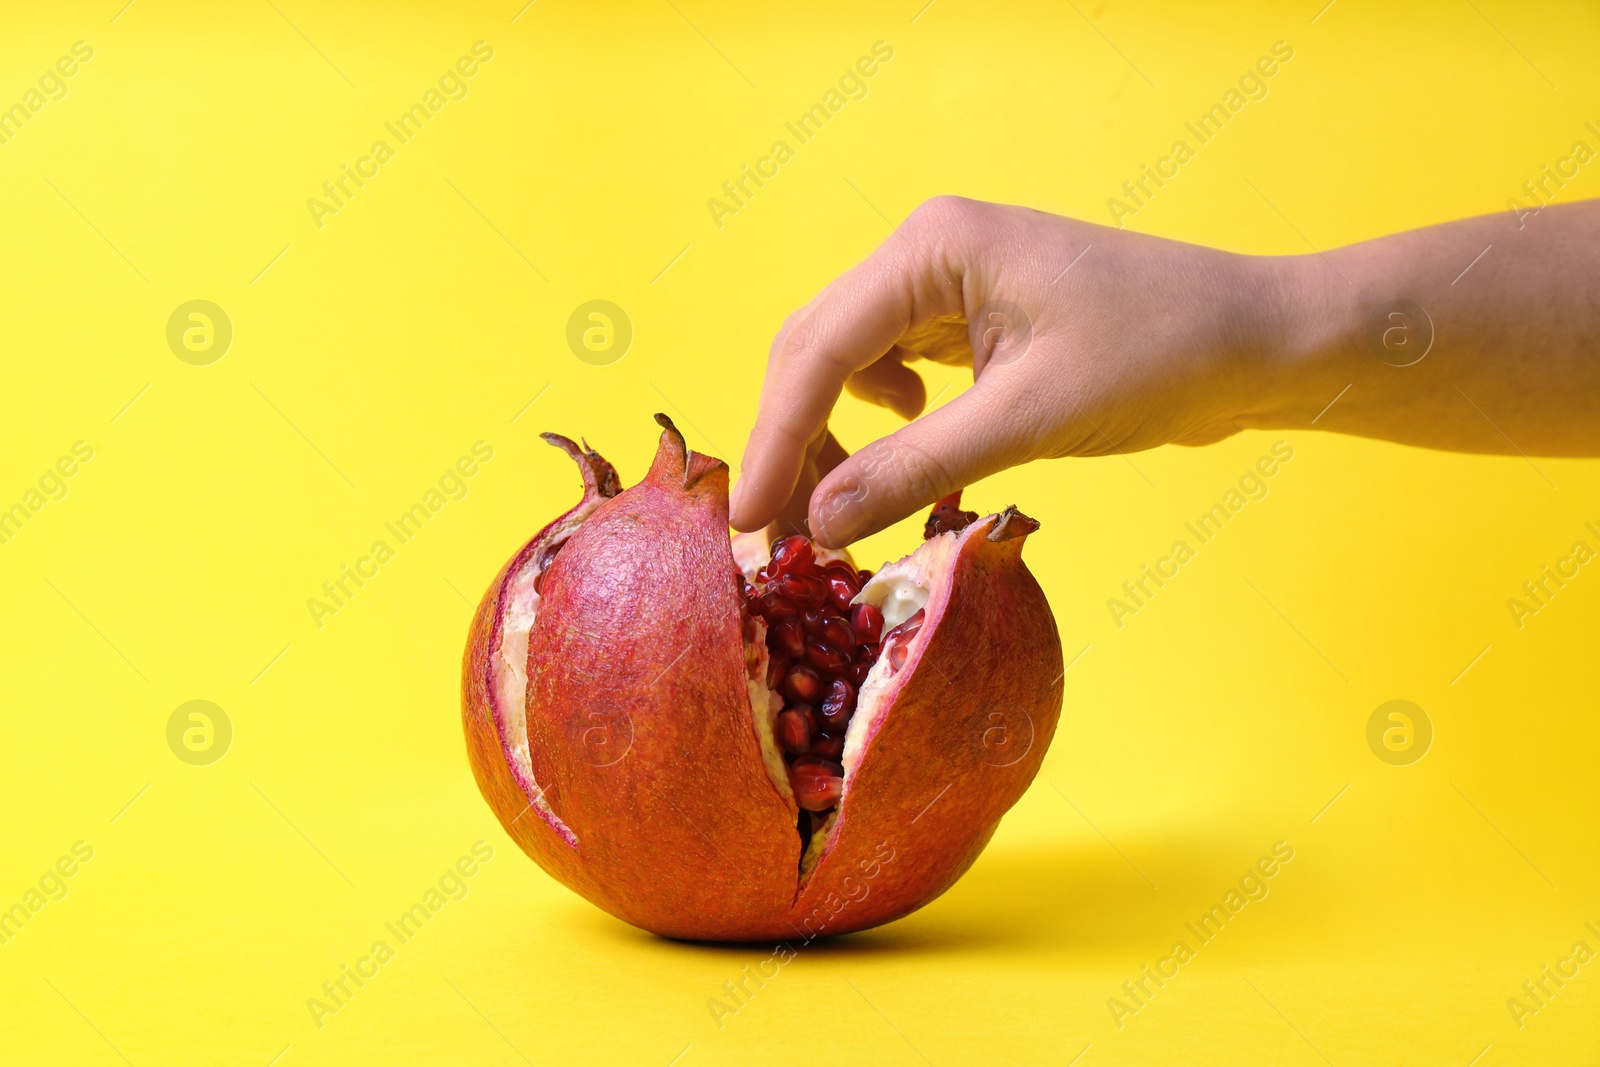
(1083, 341)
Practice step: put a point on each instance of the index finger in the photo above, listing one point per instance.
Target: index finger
(848, 326)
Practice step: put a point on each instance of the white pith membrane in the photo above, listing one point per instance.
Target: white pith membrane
(899, 589)
(510, 668)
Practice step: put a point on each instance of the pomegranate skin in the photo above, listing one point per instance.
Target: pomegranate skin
(653, 799)
(960, 741)
(638, 642)
(488, 720)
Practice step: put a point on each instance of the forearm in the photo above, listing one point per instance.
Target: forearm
(1514, 360)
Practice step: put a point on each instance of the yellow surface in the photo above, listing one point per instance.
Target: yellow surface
(431, 310)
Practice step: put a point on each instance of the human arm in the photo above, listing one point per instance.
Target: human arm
(1086, 340)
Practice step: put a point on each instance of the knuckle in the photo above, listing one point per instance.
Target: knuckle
(793, 319)
(780, 340)
(942, 213)
(937, 231)
(802, 346)
(906, 470)
(926, 476)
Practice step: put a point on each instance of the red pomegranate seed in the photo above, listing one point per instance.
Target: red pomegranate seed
(867, 621)
(906, 629)
(791, 554)
(842, 585)
(838, 633)
(897, 655)
(838, 705)
(827, 746)
(802, 684)
(859, 671)
(809, 713)
(817, 794)
(793, 733)
(813, 619)
(947, 517)
(789, 637)
(805, 590)
(828, 659)
(864, 575)
(773, 606)
(778, 667)
(812, 767)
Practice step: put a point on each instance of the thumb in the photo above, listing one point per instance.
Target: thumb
(949, 448)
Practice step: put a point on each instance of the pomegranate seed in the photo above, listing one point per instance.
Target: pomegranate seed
(838, 633)
(806, 591)
(842, 585)
(773, 606)
(778, 667)
(867, 621)
(791, 554)
(802, 684)
(839, 704)
(897, 655)
(793, 732)
(859, 671)
(865, 576)
(827, 658)
(812, 767)
(947, 517)
(906, 629)
(817, 794)
(788, 636)
(809, 713)
(827, 746)
(813, 619)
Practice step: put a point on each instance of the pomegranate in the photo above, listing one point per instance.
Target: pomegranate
(717, 740)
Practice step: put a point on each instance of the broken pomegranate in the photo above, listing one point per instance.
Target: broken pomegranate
(715, 739)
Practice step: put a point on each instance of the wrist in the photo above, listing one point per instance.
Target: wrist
(1305, 323)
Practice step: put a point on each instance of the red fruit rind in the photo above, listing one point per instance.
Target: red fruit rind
(493, 679)
(648, 746)
(937, 755)
(639, 643)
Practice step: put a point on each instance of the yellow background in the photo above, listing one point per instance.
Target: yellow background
(431, 310)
